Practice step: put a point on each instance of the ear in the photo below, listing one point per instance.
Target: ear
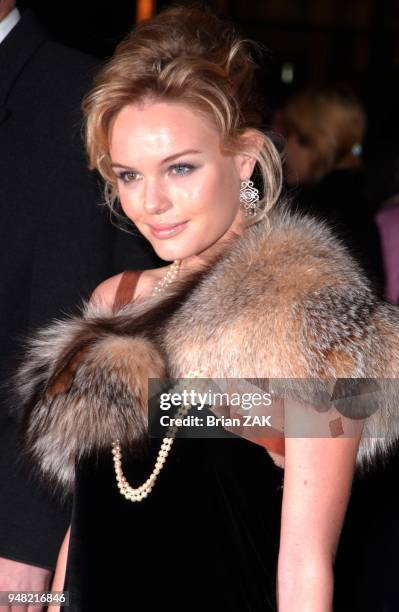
(252, 142)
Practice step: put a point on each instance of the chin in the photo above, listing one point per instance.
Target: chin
(170, 254)
(173, 248)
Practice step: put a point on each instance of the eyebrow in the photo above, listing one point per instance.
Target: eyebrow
(164, 161)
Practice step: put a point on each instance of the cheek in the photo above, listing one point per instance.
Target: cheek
(306, 163)
(221, 186)
(129, 204)
(228, 191)
(297, 157)
(292, 152)
(197, 194)
(218, 198)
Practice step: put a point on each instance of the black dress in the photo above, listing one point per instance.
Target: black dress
(206, 537)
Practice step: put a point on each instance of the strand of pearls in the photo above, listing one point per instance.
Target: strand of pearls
(169, 277)
(136, 494)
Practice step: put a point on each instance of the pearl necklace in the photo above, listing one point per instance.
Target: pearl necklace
(169, 277)
(136, 494)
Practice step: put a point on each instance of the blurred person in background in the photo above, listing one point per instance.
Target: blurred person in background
(324, 131)
(387, 220)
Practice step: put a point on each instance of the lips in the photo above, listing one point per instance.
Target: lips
(163, 230)
(165, 226)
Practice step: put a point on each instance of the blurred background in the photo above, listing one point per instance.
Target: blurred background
(310, 42)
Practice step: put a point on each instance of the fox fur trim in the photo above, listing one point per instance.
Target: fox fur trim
(285, 301)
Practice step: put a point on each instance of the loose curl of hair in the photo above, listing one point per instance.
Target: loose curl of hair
(185, 55)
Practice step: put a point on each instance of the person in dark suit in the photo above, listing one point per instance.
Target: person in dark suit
(57, 244)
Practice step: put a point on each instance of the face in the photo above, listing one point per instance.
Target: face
(6, 6)
(174, 183)
(299, 160)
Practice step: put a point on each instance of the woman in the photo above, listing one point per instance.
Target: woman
(324, 130)
(173, 127)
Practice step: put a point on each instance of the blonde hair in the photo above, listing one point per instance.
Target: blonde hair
(332, 123)
(189, 56)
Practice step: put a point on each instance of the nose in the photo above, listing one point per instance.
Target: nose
(155, 200)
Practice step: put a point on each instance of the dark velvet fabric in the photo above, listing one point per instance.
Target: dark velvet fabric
(366, 568)
(206, 538)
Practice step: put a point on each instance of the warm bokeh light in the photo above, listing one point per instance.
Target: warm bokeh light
(145, 9)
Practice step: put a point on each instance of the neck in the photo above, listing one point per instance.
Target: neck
(204, 259)
(6, 6)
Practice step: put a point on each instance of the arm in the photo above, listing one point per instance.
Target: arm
(317, 484)
(60, 570)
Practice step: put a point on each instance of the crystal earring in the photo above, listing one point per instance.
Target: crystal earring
(249, 198)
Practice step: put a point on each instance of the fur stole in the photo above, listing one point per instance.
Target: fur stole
(285, 301)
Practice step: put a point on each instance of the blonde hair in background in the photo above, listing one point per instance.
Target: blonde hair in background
(331, 123)
(184, 55)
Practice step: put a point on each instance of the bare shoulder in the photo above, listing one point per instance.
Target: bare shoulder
(104, 294)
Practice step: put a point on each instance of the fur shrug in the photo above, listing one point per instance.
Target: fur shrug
(284, 301)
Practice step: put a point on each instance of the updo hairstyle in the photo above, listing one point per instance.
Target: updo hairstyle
(185, 55)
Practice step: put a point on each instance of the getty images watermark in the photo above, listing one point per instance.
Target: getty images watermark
(211, 407)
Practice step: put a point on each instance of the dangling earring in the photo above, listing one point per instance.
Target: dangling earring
(249, 197)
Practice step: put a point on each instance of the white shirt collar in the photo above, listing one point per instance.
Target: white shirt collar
(7, 24)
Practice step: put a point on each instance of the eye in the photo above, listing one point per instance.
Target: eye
(127, 176)
(181, 169)
(303, 140)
